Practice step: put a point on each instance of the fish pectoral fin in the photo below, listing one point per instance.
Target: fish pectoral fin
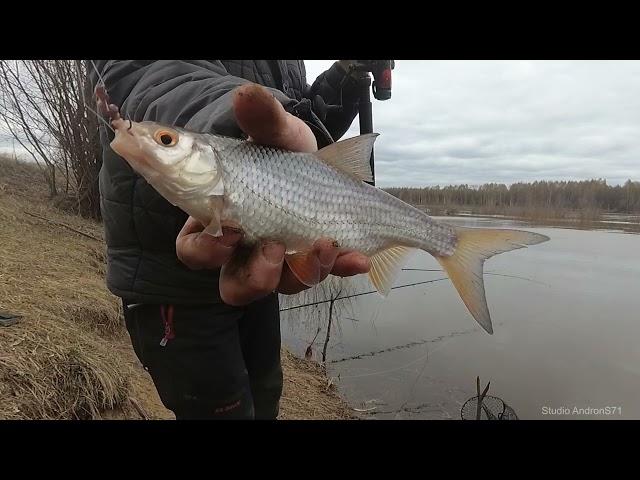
(385, 267)
(305, 266)
(464, 267)
(351, 156)
(217, 189)
(214, 227)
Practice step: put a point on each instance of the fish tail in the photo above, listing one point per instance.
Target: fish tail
(464, 267)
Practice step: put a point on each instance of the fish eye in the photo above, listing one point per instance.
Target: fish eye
(166, 138)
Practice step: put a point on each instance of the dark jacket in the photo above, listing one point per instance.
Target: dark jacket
(140, 226)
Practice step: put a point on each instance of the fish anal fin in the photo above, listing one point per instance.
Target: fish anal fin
(385, 267)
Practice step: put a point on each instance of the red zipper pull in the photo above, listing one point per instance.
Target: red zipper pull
(167, 320)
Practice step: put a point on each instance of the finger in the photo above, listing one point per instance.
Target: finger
(265, 120)
(191, 226)
(230, 235)
(259, 277)
(198, 250)
(351, 263)
(289, 283)
(320, 261)
(346, 265)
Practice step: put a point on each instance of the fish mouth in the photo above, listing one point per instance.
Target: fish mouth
(129, 136)
(128, 144)
(127, 128)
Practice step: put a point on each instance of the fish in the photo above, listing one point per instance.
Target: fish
(296, 198)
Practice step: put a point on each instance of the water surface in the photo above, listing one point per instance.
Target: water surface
(566, 332)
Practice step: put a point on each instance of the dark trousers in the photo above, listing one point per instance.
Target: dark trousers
(211, 361)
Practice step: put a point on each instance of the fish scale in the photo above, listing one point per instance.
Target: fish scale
(320, 203)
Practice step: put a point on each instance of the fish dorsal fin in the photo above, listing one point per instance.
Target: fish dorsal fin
(385, 267)
(351, 156)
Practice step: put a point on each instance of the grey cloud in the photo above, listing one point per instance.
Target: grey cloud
(482, 121)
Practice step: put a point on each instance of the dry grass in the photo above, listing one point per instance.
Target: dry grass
(307, 394)
(69, 356)
(56, 363)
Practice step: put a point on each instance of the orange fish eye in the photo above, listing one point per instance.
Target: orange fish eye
(166, 138)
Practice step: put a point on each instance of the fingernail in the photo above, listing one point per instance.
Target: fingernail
(273, 252)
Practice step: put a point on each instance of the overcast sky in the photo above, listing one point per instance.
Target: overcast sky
(452, 122)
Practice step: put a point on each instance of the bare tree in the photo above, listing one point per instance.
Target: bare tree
(335, 290)
(320, 307)
(20, 121)
(43, 105)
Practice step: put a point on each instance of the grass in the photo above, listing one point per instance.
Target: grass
(69, 356)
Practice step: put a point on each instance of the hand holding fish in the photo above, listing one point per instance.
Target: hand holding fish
(266, 122)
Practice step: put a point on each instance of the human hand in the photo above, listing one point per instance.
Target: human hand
(266, 122)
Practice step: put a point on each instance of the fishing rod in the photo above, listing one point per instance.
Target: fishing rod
(380, 85)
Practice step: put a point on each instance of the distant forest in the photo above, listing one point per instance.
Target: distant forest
(556, 198)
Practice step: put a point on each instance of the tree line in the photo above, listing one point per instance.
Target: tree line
(568, 195)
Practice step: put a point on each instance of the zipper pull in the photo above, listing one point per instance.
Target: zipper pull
(167, 320)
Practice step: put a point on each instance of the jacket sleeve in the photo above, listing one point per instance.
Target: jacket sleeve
(328, 86)
(194, 94)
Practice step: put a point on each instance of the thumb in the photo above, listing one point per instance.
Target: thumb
(265, 120)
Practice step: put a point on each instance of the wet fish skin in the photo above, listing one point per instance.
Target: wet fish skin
(296, 199)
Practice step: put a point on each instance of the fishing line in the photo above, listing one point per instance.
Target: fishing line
(486, 273)
(415, 382)
(99, 76)
(84, 98)
(98, 115)
(363, 293)
(412, 285)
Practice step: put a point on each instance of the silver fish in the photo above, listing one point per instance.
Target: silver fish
(297, 198)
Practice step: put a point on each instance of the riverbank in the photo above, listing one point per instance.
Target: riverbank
(69, 355)
(587, 219)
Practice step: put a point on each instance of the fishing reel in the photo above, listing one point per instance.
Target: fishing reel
(381, 86)
(381, 71)
(359, 70)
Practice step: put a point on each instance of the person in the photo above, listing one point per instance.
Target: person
(211, 344)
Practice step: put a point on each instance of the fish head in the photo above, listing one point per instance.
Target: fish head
(179, 164)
